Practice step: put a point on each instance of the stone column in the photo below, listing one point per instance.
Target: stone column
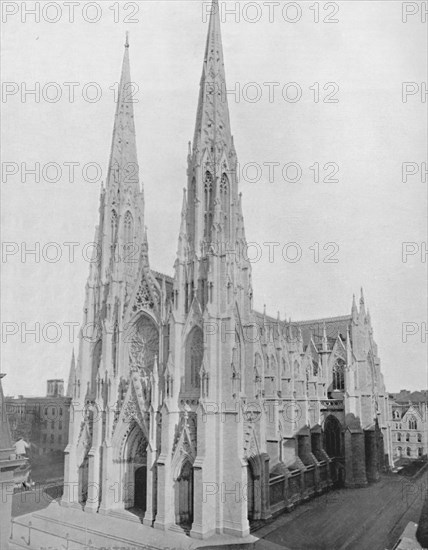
(110, 490)
(150, 513)
(70, 497)
(94, 488)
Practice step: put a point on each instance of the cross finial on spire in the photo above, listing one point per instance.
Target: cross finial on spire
(127, 39)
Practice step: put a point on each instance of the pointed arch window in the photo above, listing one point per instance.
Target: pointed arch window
(224, 198)
(143, 349)
(208, 204)
(128, 246)
(128, 229)
(315, 368)
(413, 425)
(296, 369)
(284, 367)
(113, 225)
(339, 375)
(224, 193)
(194, 357)
(114, 347)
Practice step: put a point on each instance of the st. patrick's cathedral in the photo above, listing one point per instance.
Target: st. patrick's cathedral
(190, 409)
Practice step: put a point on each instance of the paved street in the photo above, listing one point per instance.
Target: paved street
(351, 519)
(348, 519)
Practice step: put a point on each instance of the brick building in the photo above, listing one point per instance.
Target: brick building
(408, 424)
(41, 421)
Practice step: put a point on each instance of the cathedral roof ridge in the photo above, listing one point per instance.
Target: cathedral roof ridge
(323, 320)
(168, 278)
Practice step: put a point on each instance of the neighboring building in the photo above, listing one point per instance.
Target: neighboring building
(55, 388)
(190, 395)
(409, 425)
(41, 421)
(9, 464)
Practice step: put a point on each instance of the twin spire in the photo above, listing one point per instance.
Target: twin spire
(212, 127)
(123, 166)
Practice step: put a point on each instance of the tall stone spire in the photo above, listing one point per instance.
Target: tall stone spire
(212, 182)
(122, 226)
(123, 165)
(212, 128)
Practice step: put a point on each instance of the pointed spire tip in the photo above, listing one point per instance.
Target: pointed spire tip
(127, 39)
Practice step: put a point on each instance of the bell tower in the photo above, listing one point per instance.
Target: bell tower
(211, 304)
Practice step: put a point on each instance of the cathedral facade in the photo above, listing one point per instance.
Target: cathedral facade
(191, 410)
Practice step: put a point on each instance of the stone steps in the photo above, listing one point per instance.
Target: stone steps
(53, 526)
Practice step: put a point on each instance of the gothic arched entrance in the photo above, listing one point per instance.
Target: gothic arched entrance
(140, 488)
(253, 490)
(250, 493)
(184, 496)
(134, 470)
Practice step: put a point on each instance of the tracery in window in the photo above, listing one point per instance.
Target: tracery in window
(339, 375)
(208, 204)
(194, 356)
(413, 425)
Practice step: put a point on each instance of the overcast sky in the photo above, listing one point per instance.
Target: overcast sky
(361, 60)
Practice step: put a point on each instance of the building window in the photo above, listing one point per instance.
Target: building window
(413, 425)
(339, 375)
(296, 369)
(52, 438)
(419, 438)
(60, 439)
(60, 425)
(399, 451)
(407, 437)
(208, 204)
(113, 224)
(46, 411)
(115, 342)
(420, 451)
(398, 436)
(60, 411)
(53, 425)
(194, 356)
(408, 451)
